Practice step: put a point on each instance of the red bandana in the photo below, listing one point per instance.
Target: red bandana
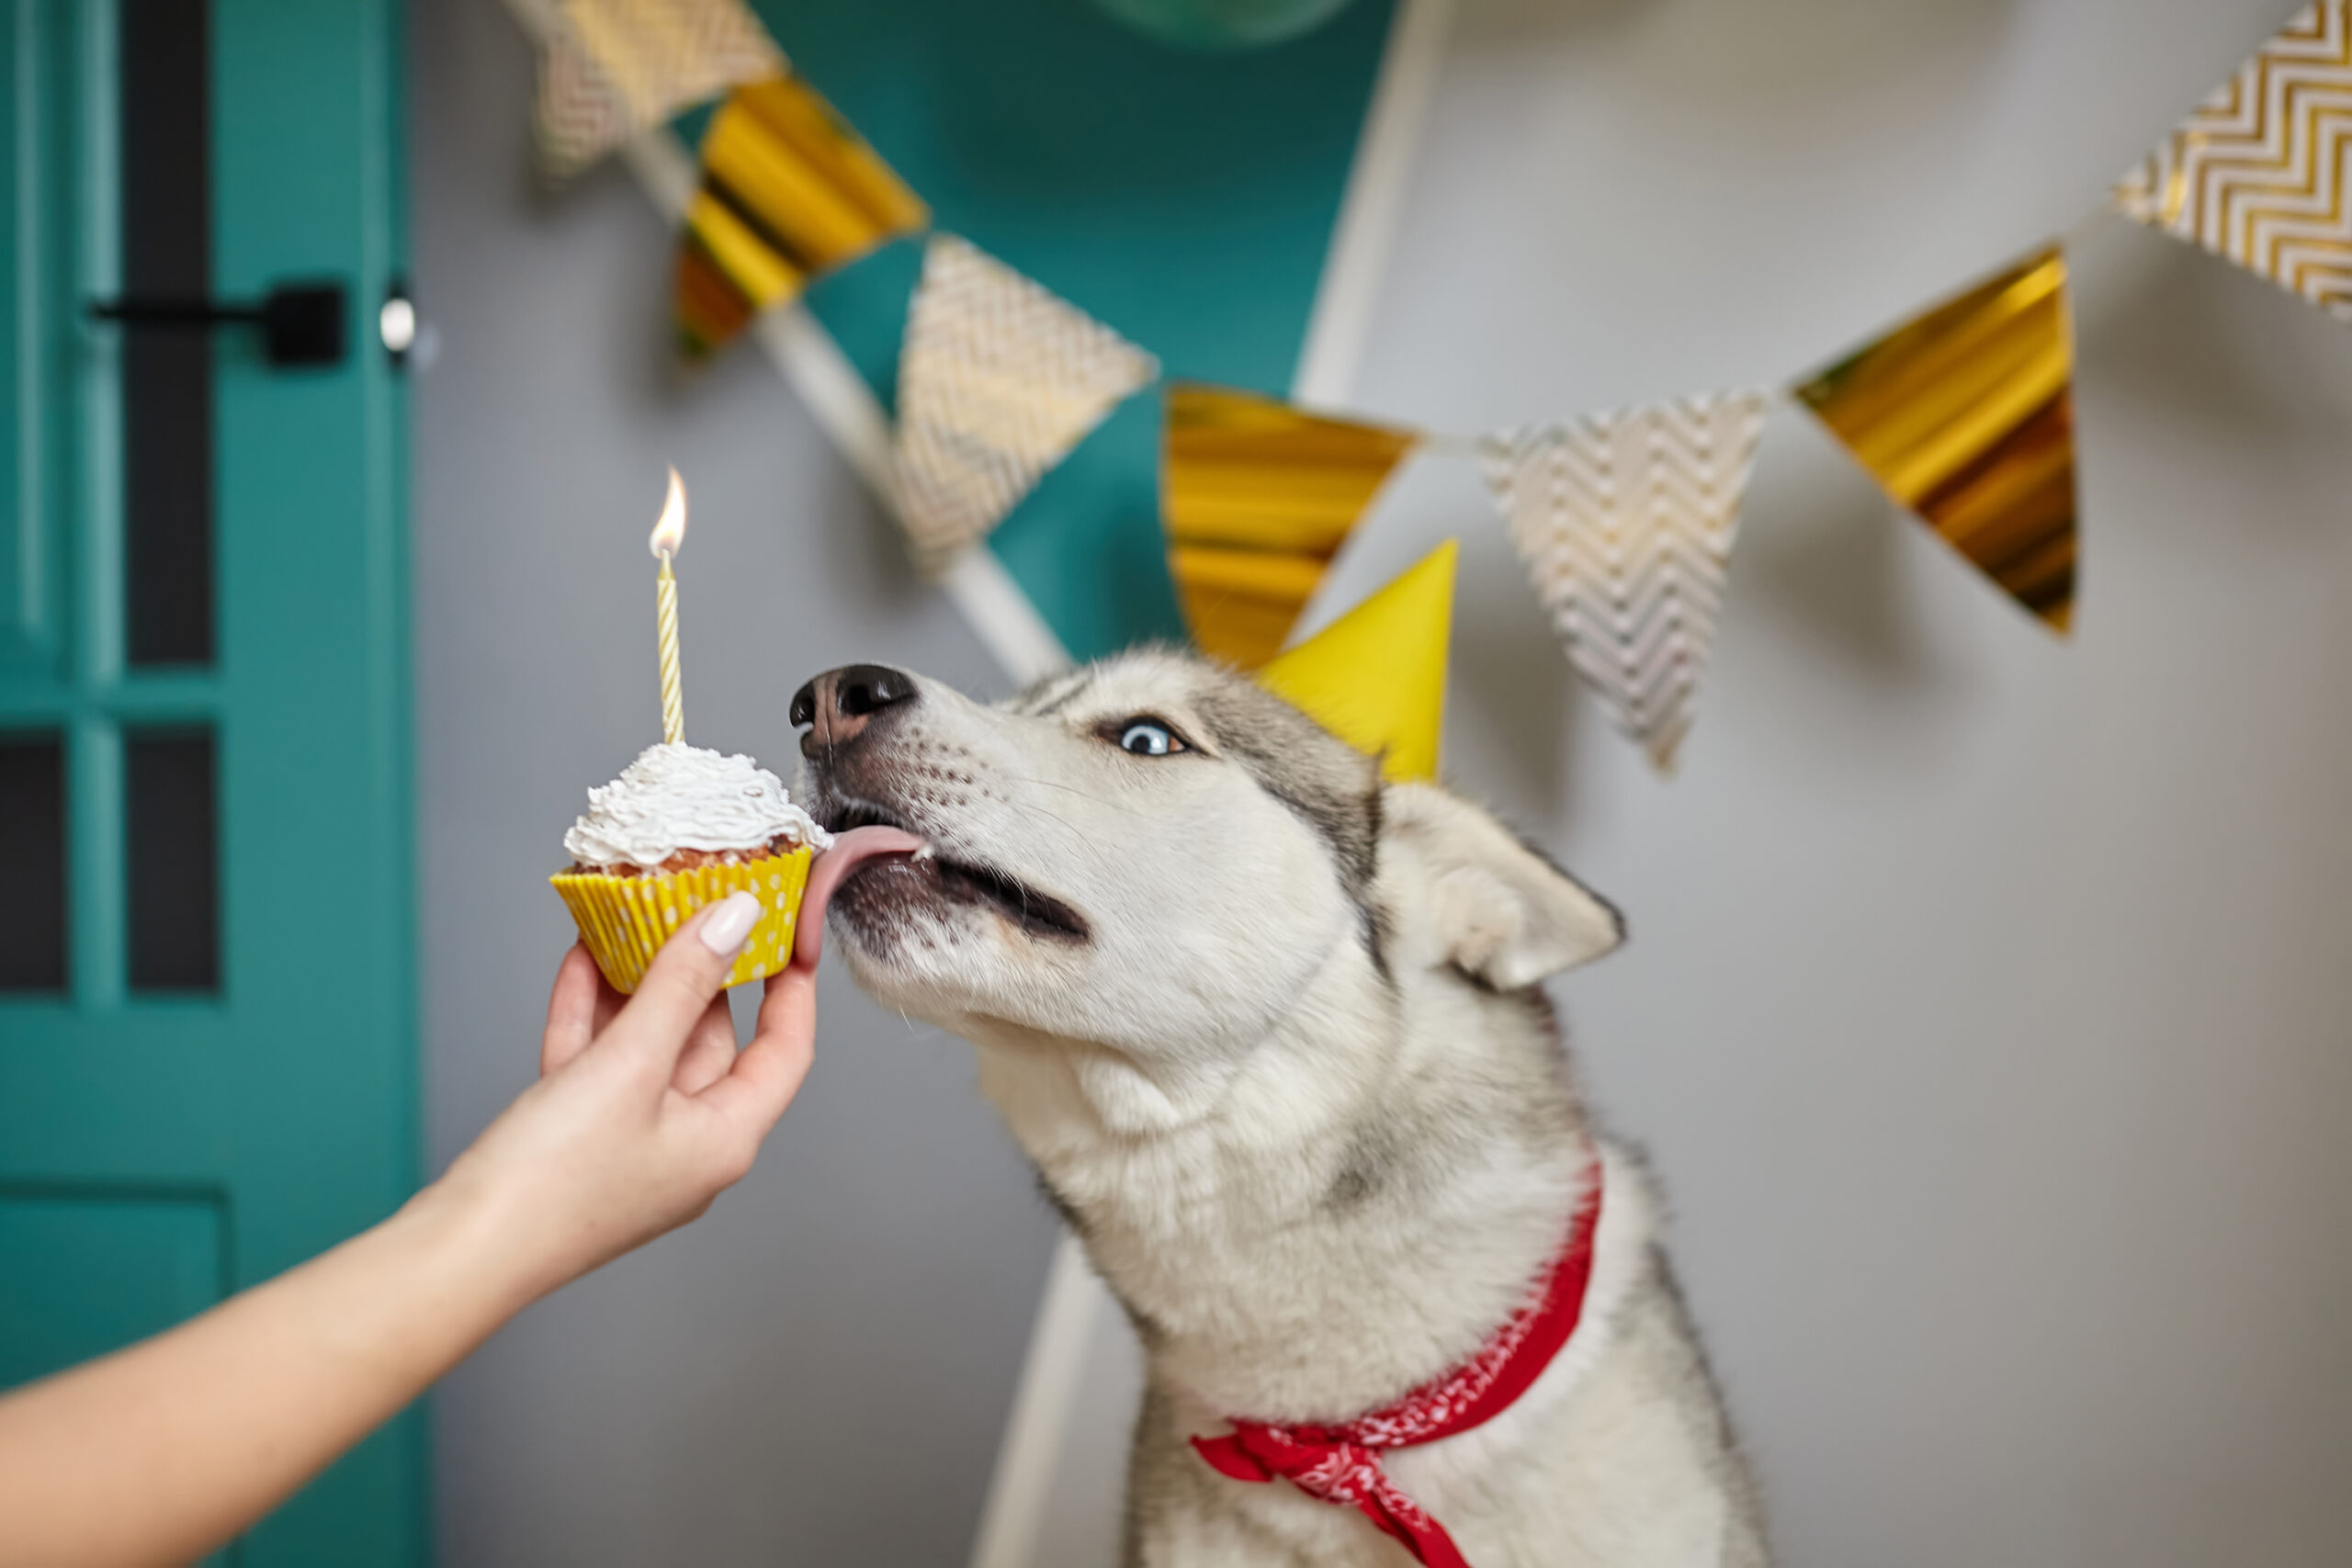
(1341, 1464)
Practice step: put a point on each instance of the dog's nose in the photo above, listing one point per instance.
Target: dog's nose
(839, 704)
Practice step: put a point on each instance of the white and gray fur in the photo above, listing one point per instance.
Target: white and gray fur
(1272, 1034)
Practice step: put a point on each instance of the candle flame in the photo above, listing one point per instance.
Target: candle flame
(671, 531)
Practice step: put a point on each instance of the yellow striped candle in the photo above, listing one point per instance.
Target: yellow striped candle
(668, 535)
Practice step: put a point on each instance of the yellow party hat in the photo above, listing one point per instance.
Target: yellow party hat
(1375, 677)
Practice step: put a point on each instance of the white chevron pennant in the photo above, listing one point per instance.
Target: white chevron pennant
(998, 380)
(2262, 171)
(612, 68)
(1625, 522)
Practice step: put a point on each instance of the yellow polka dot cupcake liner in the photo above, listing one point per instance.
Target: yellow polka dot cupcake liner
(624, 920)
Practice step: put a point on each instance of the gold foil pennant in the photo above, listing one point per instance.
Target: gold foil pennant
(789, 192)
(1965, 415)
(1257, 497)
(2261, 172)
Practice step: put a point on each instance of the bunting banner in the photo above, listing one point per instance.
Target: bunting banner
(2261, 172)
(1965, 415)
(1256, 497)
(611, 69)
(789, 192)
(998, 380)
(1375, 677)
(1625, 523)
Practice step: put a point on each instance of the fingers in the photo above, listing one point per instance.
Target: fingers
(709, 1052)
(769, 1071)
(686, 974)
(609, 1003)
(573, 1010)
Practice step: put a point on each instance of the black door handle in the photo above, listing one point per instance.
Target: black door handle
(302, 324)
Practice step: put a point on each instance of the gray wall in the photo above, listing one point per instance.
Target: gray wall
(1988, 1010)
(1989, 1006)
(817, 1372)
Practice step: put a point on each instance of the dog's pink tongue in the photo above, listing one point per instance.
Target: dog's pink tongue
(849, 850)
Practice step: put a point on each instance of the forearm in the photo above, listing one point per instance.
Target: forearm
(163, 1450)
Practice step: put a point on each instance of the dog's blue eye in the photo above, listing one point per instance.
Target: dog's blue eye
(1145, 738)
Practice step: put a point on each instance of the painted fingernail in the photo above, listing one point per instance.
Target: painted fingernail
(729, 923)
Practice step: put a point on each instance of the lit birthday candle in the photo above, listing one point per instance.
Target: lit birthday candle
(668, 535)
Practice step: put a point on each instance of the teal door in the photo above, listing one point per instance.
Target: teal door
(205, 1062)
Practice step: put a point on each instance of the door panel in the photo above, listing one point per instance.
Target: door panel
(34, 53)
(89, 1270)
(202, 621)
(32, 860)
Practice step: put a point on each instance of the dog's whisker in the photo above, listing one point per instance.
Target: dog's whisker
(1064, 821)
(1086, 794)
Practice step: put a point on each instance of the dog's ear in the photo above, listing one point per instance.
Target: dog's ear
(1464, 891)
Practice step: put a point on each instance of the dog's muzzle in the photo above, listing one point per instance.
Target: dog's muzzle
(858, 783)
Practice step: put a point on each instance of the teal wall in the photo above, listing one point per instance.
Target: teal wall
(1185, 199)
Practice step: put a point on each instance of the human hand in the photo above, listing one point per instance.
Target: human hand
(644, 1111)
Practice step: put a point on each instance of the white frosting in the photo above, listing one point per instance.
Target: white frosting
(683, 797)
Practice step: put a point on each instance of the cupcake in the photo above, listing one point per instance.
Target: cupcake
(681, 828)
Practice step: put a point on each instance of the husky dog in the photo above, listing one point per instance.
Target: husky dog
(1270, 1031)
